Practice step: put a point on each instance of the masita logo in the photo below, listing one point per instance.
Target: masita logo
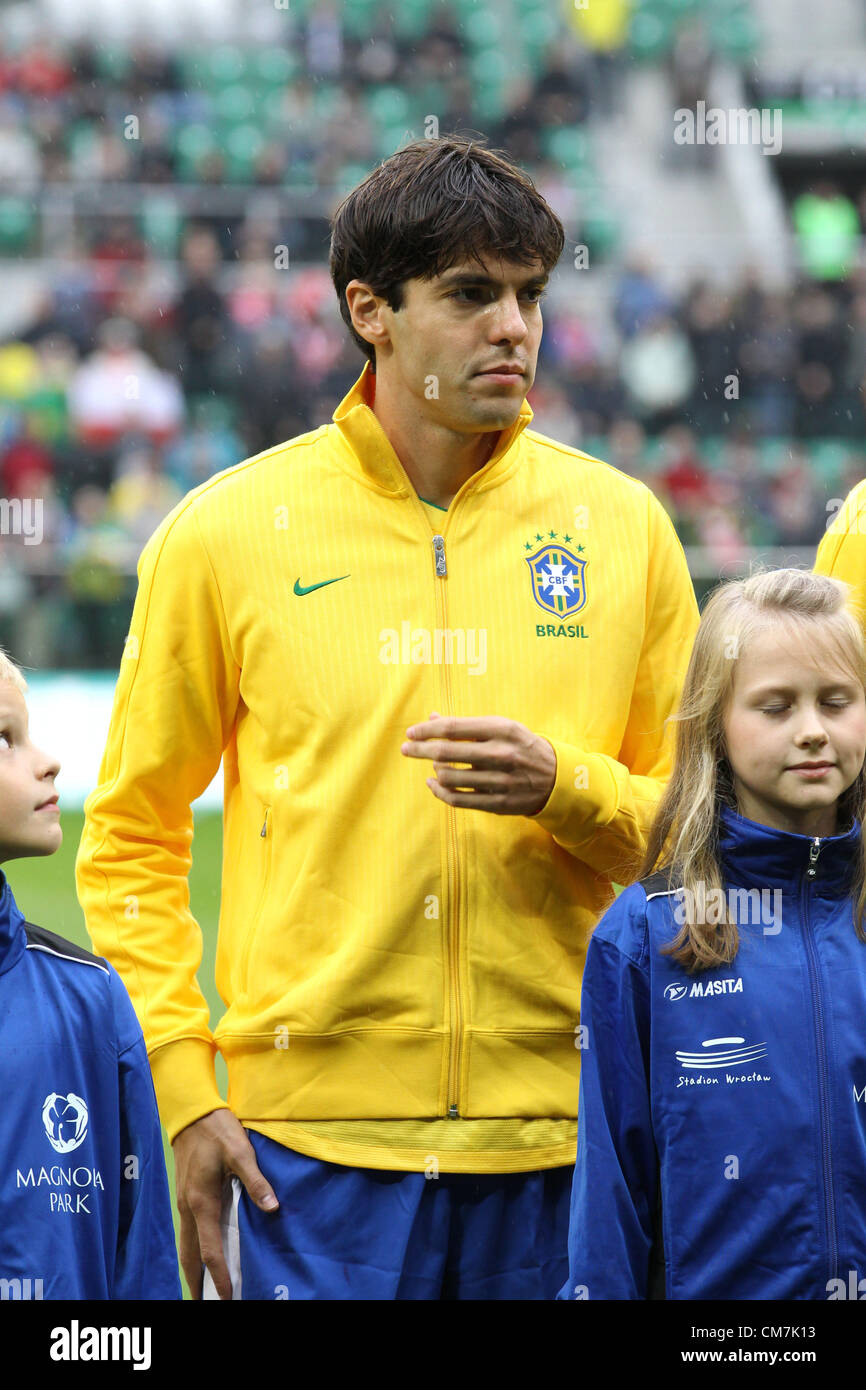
(703, 989)
(65, 1121)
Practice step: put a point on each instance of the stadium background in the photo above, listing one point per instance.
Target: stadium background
(167, 171)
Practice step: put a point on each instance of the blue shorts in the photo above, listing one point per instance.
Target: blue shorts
(364, 1233)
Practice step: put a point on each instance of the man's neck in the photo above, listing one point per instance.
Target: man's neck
(436, 460)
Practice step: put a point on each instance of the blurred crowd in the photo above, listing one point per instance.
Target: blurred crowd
(303, 109)
(118, 397)
(139, 374)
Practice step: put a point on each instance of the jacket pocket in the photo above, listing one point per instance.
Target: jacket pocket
(261, 855)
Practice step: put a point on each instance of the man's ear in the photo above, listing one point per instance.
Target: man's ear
(365, 312)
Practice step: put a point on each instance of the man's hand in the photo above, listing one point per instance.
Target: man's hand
(204, 1153)
(511, 770)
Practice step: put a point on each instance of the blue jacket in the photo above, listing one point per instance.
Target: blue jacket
(722, 1126)
(84, 1202)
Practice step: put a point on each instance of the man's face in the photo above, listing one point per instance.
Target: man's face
(452, 329)
(29, 817)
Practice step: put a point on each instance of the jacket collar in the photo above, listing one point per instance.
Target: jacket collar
(369, 451)
(759, 856)
(12, 938)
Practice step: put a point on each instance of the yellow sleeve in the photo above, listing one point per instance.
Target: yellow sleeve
(174, 711)
(601, 806)
(842, 551)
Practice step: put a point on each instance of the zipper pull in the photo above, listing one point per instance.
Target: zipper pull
(814, 851)
(439, 556)
(452, 1113)
(264, 830)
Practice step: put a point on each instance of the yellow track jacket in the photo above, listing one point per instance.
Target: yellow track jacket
(842, 553)
(382, 956)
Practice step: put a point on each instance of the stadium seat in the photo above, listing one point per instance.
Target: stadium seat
(192, 144)
(17, 225)
(412, 18)
(269, 69)
(389, 105)
(567, 145)
(161, 224)
(242, 147)
(234, 106)
(650, 35)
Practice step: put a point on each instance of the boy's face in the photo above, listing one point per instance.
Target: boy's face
(29, 815)
(452, 329)
(783, 715)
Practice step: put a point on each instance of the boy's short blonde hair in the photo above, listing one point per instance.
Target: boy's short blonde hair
(12, 673)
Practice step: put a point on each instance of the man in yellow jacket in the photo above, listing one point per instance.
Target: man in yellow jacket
(842, 552)
(435, 651)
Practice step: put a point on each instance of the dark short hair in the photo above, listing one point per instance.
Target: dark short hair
(434, 203)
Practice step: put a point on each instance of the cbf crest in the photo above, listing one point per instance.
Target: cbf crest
(558, 582)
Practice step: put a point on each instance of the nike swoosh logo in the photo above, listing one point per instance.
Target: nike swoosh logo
(300, 589)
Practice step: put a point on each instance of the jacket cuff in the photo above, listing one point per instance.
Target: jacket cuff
(584, 798)
(185, 1084)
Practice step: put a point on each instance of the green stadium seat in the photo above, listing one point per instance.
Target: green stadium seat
(538, 29)
(650, 36)
(112, 64)
(412, 18)
(271, 68)
(483, 27)
(359, 18)
(393, 137)
(234, 105)
(567, 145)
(192, 144)
(738, 37)
(389, 105)
(161, 224)
(242, 147)
(223, 66)
(17, 225)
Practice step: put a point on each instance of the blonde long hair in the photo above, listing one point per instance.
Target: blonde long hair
(684, 834)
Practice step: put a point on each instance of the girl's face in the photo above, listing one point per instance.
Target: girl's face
(795, 735)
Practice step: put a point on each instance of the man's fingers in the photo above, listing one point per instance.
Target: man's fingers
(211, 1249)
(471, 780)
(190, 1254)
(491, 726)
(243, 1164)
(486, 755)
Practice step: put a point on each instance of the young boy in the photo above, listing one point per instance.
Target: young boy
(84, 1201)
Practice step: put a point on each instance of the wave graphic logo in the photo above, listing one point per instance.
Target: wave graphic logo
(724, 1052)
(65, 1121)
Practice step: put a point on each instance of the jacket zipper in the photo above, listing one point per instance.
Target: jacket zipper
(812, 960)
(455, 1005)
(264, 870)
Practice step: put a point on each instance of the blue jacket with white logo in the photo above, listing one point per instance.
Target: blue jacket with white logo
(84, 1202)
(722, 1126)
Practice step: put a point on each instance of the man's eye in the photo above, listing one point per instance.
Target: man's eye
(535, 296)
